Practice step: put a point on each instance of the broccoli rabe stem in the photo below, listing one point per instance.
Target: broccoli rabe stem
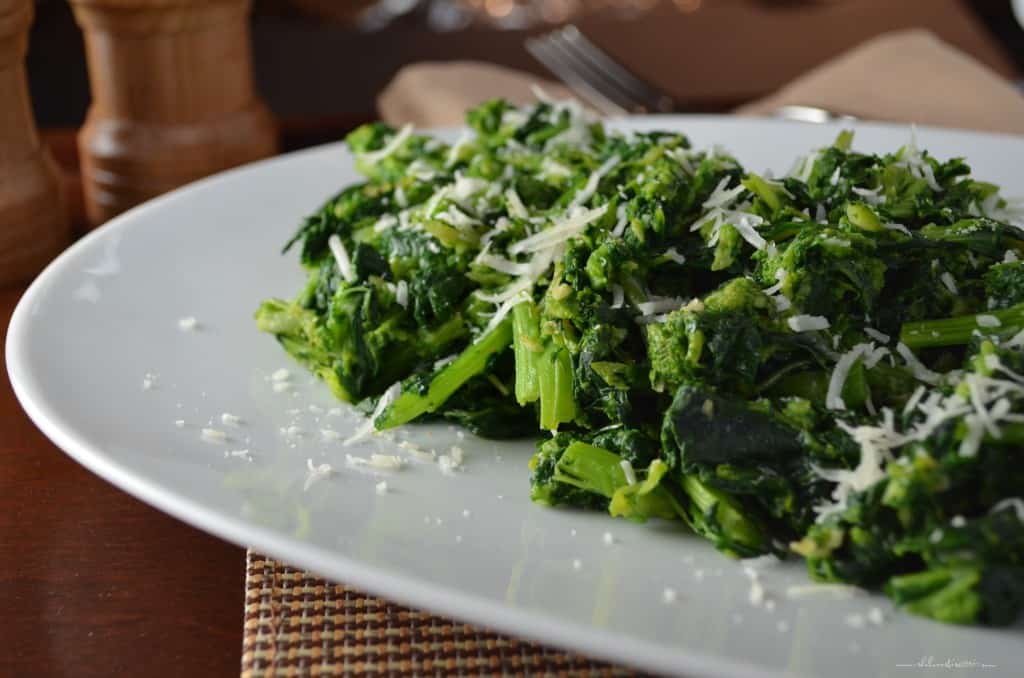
(771, 195)
(947, 594)
(720, 519)
(844, 140)
(885, 385)
(277, 316)
(554, 375)
(543, 369)
(863, 217)
(590, 468)
(957, 331)
(528, 349)
(597, 470)
(447, 381)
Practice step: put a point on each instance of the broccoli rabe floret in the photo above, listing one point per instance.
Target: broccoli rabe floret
(828, 272)
(722, 340)
(384, 154)
(363, 342)
(1004, 285)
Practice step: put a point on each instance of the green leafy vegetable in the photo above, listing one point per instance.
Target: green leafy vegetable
(826, 365)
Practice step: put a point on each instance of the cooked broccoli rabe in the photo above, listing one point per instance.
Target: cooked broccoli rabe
(826, 364)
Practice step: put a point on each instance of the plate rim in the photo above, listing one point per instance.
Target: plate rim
(406, 589)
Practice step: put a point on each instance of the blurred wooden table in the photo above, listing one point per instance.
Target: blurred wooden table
(95, 583)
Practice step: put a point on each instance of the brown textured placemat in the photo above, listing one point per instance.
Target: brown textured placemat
(299, 625)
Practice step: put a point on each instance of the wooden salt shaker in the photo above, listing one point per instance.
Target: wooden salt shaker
(173, 98)
(34, 225)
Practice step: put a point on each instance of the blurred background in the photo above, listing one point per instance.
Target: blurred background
(319, 64)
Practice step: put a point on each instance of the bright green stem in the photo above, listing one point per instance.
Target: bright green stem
(947, 594)
(557, 404)
(813, 386)
(543, 369)
(590, 468)
(718, 517)
(646, 498)
(277, 316)
(886, 385)
(528, 349)
(863, 217)
(597, 470)
(844, 140)
(957, 331)
(449, 236)
(447, 381)
(771, 195)
(295, 329)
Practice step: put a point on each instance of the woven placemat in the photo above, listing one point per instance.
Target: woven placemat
(299, 625)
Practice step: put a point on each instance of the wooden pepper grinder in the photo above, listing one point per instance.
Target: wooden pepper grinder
(34, 225)
(173, 98)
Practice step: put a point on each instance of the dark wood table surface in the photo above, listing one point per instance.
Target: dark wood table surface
(95, 583)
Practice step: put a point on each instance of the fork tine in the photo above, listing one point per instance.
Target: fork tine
(654, 99)
(593, 73)
(552, 57)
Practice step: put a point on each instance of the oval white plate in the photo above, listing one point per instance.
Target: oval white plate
(105, 315)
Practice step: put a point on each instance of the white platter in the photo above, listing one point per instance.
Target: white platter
(471, 545)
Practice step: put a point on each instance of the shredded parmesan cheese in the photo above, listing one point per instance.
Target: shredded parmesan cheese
(1016, 503)
(316, 473)
(578, 219)
(516, 208)
(396, 141)
(897, 227)
(659, 305)
(808, 323)
(950, 283)
(987, 321)
(916, 366)
(834, 399)
(618, 296)
(342, 258)
(367, 428)
(213, 435)
(627, 470)
(588, 190)
(230, 420)
(622, 221)
(673, 255)
(383, 462)
(485, 258)
(880, 337)
(402, 294)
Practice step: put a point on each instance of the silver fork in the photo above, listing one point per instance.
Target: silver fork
(595, 76)
(590, 72)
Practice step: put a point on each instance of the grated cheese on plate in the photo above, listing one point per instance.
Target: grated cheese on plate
(808, 323)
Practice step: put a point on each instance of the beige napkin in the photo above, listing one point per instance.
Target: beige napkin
(906, 76)
(437, 94)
